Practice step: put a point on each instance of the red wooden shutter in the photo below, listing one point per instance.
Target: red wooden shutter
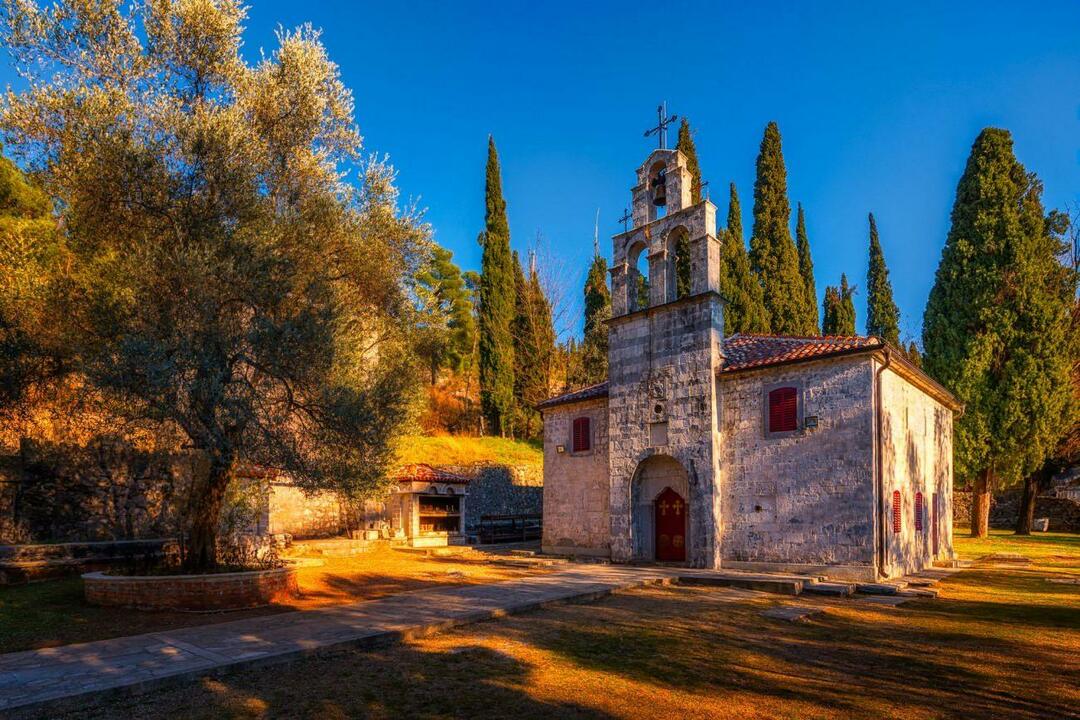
(582, 436)
(783, 410)
(896, 511)
(918, 511)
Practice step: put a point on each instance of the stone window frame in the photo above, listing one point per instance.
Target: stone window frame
(592, 434)
(800, 407)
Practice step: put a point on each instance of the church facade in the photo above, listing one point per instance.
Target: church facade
(828, 455)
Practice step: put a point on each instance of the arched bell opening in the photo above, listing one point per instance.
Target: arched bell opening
(660, 511)
(637, 286)
(680, 267)
(658, 190)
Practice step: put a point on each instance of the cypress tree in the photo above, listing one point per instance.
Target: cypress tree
(686, 146)
(534, 345)
(806, 270)
(597, 310)
(744, 311)
(496, 306)
(996, 328)
(773, 256)
(882, 315)
(839, 309)
(682, 246)
(913, 354)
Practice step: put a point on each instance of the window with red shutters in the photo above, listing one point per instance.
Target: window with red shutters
(896, 511)
(783, 410)
(918, 511)
(582, 436)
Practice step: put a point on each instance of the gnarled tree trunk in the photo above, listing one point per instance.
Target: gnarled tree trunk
(980, 503)
(203, 514)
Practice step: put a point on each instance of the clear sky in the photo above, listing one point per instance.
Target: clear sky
(878, 105)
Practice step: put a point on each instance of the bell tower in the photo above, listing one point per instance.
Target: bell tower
(665, 348)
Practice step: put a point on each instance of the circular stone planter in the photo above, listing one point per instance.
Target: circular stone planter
(193, 593)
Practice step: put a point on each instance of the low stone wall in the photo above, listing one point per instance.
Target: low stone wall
(28, 563)
(197, 593)
(1064, 513)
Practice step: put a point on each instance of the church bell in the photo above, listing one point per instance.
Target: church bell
(659, 191)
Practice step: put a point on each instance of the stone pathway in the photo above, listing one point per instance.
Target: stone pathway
(142, 662)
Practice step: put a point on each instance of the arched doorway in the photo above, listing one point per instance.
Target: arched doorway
(660, 510)
(671, 524)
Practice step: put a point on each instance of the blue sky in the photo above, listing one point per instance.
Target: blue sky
(877, 104)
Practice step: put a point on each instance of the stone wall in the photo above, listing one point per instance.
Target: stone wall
(805, 497)
(576, 485)
(292, 512)
(105, 490)
(917, 458)
(502, 490)
(1064, 513)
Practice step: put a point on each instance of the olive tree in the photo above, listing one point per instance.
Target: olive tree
(234, 268)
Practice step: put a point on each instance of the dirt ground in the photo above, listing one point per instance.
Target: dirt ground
(1001, 641)
(54, 612)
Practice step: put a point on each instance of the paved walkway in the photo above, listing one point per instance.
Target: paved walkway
(144, 661)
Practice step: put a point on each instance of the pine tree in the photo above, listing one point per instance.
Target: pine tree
(445, 325)
(594, 346)
(496, 306)
(882, 315)
(685, 145)
(806, 270)
(996, 329)
(839, 309)
(773, 256)
(745, 310)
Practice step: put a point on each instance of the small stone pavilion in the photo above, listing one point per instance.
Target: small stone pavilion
(827, 455)
(428, 506)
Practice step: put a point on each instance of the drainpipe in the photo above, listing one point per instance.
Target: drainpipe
(879, 466)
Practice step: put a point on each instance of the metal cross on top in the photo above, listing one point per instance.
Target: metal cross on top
(626, 217)
(662, 122)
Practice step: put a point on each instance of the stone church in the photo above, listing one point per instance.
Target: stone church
(829, 455)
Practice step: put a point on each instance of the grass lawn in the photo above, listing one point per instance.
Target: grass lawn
(54, 613)
(1001, 642)
(464, 451)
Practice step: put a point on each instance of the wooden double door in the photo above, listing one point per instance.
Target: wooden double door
(670, 523)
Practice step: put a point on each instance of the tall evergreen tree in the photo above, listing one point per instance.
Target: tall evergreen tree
(445, 325)
(497, 306)
(773, 256)
(686, 146)
(882, 315)
(594, 346)
(806, 270)
(534, 346)
(682, 246)
(996, 330)
(745, 310)
(839, 309)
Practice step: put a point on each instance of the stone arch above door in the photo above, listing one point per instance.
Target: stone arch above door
(652, 477)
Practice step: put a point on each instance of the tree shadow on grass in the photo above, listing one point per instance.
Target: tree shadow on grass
(841, 662)
(395, 682)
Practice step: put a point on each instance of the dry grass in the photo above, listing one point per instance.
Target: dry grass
(463, 451)
(54, 612)
(1000, 642)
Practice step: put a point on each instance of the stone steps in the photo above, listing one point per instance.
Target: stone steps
(783, 585)
(836, 589)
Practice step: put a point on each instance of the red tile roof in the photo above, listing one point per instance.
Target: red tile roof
(743, 351)
(425, 473)
(587, 393)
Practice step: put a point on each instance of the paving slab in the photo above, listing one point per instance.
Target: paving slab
(792, 613)
(142, 662)
(893, 600)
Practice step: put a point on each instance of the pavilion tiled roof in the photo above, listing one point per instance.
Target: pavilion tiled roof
(420, 472)
(587, 393)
